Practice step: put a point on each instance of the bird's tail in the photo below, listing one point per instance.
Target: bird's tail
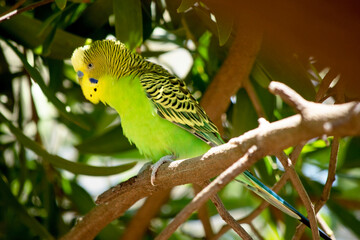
(270, 196)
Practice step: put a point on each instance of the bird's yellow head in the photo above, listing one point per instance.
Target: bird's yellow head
(95, 64)
(88, 74)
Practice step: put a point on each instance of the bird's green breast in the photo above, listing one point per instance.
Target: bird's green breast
(154, 136)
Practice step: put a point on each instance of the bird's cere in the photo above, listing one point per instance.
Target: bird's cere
(80, 74)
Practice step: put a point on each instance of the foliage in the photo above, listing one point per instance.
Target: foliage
(50, 136)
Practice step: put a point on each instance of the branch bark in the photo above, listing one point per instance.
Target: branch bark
(234, 71)
(316, 120)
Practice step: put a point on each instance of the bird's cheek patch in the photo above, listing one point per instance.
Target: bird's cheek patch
(93, 80)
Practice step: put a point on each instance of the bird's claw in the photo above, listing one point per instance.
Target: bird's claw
(155, 167)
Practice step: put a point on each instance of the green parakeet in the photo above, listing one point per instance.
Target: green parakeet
(158, 113)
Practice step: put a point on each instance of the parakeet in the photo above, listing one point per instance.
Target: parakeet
(158, 113)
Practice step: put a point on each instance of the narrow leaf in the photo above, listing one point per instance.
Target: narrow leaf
(59, 162)
(25, 31)
(12, 203)
(110, 142)
(128, 22)
(224, 26)
(34, 73)
(185, 5)
(224, 19)
(60, 4)
(345, 216)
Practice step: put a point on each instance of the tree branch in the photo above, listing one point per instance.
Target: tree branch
(329, 181)
(211, 189)
(225, 215)
(9, 15)
(338, 120)
(203, 215)
(234, 71)
(276, 188)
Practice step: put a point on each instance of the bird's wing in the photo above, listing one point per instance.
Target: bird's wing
(174, 102)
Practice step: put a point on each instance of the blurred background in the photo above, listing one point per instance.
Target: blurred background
(58, 151)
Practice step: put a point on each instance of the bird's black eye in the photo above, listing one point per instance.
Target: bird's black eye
(90, 65)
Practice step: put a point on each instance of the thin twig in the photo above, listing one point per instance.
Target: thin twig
(254, 99)
(324, 86)
(289, 168)
(288, 95)
(326, 227)
(226, 216)
(223, 179)
(24, 9)
(301, 191)
(329, 181)
(203, 215)
(258, 235)
(141, 221)
(14, 7)
(247, 219)
(331, 175)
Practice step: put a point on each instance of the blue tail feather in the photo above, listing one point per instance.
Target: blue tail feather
(270, 196)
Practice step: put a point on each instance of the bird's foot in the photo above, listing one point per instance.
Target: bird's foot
(144, 167)
(155, 167)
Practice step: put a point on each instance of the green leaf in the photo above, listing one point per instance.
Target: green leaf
(34, 73)
(59, 162)
(244, 116)
(224, 27)
(185, 5)
(11, 202)
(24, 30)
(286, 68)
(352, 154)
(61, 4)
(224, 19)
(128, 22)
(110, 142)
(345, 216)
(260, 75)
(93, 18)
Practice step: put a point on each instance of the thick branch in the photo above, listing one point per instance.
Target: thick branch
(339, 120)
(234, 71)
(210, 190)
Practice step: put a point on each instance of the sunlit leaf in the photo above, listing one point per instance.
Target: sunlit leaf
(61, 4)
(352, 155)
(24, 30)
(110, 142)
(128, 22)
(185, 5)
(224, 20)
(11, 202)
(346, 217)
(244, 116)
(74, 167)
(34, 73)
